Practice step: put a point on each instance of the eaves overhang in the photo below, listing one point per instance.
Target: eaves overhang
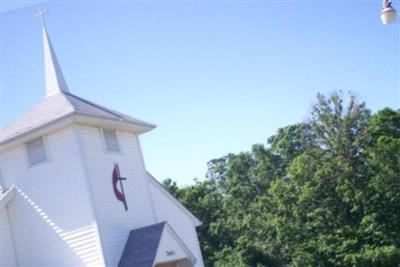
(74, 118)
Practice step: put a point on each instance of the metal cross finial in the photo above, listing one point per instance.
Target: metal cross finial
(41, 13)
(387, 3)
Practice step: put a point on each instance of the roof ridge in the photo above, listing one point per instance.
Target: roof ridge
(93, 104)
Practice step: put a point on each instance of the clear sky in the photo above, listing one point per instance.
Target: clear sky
(215, 76)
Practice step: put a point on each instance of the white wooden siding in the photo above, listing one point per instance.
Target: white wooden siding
(171, 248)
(182, 224)
(7, 254)
(50, 215)
(62, 205)
(114, 222)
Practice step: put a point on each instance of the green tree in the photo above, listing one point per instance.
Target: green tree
(321, 193)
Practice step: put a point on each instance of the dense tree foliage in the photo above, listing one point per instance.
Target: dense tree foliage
(321, 193)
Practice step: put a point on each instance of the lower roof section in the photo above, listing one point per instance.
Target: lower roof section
(155, 244)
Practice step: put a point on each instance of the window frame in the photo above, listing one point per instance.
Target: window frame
(103, 136)
(28, 158)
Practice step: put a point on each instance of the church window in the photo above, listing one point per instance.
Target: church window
(36, 151)
(111, 140)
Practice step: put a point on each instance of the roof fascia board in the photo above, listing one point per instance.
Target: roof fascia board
(45, 129)
(120, 125)
(175, 236)
(67, 120)
(154, 181)
(169, 228)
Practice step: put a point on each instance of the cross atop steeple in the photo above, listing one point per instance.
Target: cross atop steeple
(41, 13)
(55, 82)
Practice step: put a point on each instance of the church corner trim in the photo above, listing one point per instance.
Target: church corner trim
(81, 155)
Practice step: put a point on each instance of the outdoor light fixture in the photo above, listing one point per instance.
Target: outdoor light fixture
(388, 13)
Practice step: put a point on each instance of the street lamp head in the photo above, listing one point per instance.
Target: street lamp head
(388, 13)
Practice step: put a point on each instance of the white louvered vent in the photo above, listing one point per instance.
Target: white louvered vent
(36, 151)
(111, 140)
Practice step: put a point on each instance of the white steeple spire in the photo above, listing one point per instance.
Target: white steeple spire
(55, 82)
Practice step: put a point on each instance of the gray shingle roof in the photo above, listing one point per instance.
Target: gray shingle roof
(58, 106)
(141, 247)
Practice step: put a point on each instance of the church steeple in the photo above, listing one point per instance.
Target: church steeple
(55, 82)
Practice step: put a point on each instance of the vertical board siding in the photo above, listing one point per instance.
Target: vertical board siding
(182, 224)
(50, 214)
(113, 221)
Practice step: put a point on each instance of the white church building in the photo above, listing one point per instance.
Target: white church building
(75, 190)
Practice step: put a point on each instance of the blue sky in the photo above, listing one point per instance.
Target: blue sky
(215, 76)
